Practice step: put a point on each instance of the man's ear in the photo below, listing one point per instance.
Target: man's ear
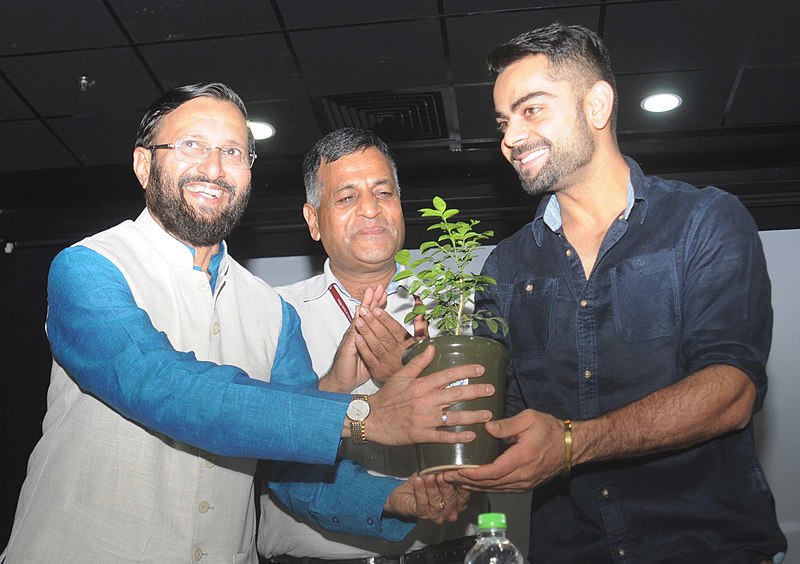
(311, 219)
(141, 165)
(599, 104)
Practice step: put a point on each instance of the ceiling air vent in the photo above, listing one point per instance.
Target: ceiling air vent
(397, 117)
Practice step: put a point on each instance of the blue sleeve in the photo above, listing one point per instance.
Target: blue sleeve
(726, 302)
(109, 346)
(344, 498)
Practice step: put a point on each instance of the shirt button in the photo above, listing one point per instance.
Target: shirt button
(335, 519)
(529, 288)
(584, 303)
(587, 374)
(604, 493)
(370, 521)
(621, 216)
(215, 328)
(197, 554)
(202, 507)
(568, 252)
(621, 552)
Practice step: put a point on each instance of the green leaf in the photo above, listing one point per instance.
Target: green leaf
(439, 204)
(449, 213)
(402, 275)
(403, 256)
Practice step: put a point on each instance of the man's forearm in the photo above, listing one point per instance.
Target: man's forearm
(713, 401)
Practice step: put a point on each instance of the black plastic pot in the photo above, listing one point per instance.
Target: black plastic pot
(456, 350)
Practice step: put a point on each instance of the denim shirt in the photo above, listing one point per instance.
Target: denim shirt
(679, 284)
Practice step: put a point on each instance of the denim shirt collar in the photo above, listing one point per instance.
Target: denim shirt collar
(548, 214)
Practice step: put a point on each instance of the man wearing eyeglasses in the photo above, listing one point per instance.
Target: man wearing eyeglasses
(148, 454)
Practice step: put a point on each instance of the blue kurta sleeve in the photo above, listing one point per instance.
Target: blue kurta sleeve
(109, 346)
(344, 498)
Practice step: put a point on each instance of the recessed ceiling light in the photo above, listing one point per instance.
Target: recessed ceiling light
(261, 129)
(663, 102)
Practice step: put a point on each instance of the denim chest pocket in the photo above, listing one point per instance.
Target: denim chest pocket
(529, 311)
(645, 297)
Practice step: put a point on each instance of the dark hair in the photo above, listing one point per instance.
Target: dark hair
(335, 145)
(173, 99)
(574, 53)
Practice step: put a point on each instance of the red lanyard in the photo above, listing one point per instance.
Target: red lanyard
(343, 306)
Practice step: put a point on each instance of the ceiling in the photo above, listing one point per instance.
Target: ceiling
(413, 70)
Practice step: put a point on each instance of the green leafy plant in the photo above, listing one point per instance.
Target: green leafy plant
(441, 275)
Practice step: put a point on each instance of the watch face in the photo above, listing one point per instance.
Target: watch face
(358, 410)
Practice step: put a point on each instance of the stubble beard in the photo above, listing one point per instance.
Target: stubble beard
(564, 159)
(200, 228)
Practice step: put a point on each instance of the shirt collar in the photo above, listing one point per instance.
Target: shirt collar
(175, 250)
(328, 279)
(549, 211)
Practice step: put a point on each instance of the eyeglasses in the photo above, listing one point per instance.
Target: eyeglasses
(193, 151)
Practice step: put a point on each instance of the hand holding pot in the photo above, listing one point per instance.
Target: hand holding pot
(536, 455)
(408, 410)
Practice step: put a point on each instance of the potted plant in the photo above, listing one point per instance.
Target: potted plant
(446, 287)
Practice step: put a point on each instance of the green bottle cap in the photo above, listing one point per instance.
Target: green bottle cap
(492, 521)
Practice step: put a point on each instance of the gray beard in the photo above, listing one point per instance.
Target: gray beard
(180, 220)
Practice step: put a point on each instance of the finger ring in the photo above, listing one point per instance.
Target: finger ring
(441, 504)
(444, 421)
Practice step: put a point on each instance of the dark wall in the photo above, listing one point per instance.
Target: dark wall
(26, 367)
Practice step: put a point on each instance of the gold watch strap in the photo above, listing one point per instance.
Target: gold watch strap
(357, 432)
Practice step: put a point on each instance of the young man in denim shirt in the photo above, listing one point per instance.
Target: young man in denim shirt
(640, 325)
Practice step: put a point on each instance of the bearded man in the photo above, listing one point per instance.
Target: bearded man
(148, 453)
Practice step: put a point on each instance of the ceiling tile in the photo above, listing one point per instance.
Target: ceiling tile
(777, 40)
(480, 6)
(11, 106)
(51, 82)
(28, 145)
(476, 113)
(313, 13)
(295, 126)
(99, 139)
(472, 37)
(767, 95)
(371, 58)
(689, 35)
(257, 67)
(31, 26)
(704, 95)
(155, 20)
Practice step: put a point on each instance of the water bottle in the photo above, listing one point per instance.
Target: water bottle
(492, 546)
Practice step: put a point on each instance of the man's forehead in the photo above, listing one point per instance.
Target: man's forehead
(206, 111)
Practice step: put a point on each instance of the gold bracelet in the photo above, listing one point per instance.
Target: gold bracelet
(567, 446)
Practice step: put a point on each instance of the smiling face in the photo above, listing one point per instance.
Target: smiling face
(200, 203)
(546, 137)
(359, 220)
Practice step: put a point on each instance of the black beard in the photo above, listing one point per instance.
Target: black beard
(563, 159)
(167, 203)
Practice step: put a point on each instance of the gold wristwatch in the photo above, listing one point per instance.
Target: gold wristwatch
(357, 412)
